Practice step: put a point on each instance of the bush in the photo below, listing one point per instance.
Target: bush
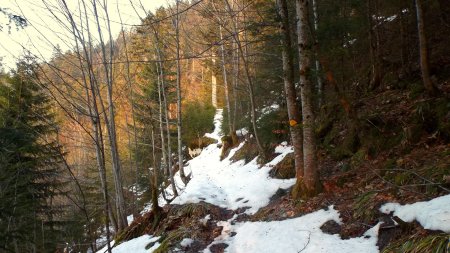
(273, 128)
(197, 120)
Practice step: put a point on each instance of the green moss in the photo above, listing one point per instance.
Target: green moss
(247, 152)
(170, 239)
(189, 210)
(300, 191)
(358, 158)
(284, 169)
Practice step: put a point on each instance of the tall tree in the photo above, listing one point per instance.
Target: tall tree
(309, 184)
(184, 178)
(110, 122)
(289, 88)
(423, 50)
(31, 167)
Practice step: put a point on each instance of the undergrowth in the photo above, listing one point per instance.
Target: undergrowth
(437, 243)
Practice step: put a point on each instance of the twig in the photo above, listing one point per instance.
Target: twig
(307, 243)
(421, 177)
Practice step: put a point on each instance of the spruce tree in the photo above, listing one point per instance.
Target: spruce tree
(30, 167)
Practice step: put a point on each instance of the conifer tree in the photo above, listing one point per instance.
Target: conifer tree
(30, 167)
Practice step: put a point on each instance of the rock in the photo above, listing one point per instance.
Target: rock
(284, 169)
(331, 227)
(388, 230)
(218, 248)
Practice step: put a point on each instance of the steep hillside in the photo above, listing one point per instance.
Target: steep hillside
(238, 207)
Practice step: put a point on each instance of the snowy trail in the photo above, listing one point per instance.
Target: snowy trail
(230, 185)
(236, 185)
(302, 234)
(239, 185)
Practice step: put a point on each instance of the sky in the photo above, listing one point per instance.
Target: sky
(44, 31)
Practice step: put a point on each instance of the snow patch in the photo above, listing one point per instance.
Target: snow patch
(283, 148)
(217, 125)
(242, 132)
(186, 242)
(205, 220)
(300, 234)
(232, 185)
(130, 219)
(433, 214)
(136, 245)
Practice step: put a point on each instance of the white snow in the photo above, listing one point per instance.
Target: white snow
(271, 108)
(205, 220)
(227, 184)
(186, 242)
(217, 125)
(242, 132)
(136, 245)
(283, 148)
(300, 234)
(433, 214)
(234, 185)
(130, 219)
(231, 185)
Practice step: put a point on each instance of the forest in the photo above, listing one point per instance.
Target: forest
(228, 126)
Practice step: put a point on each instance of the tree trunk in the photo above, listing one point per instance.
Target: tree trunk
(374, 46)
(110, 122)
(213, 82)
(289, 88)
(310, 185)
(154, 177)
(316, 55)
(423, 49)
(180, 144)
(235, 22)
(227, 96)
(161, 122)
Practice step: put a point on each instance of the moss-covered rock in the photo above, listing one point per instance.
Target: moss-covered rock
(227, 144)
(284, 169)
(247, 152)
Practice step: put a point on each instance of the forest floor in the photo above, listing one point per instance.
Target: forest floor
(236, 205)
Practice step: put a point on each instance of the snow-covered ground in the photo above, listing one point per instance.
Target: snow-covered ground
(300, 234)
(227, 184)
(231, 185)
(236, 185)
(433, 214)
(136, 245)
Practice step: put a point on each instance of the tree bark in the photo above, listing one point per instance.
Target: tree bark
(374, 46)
(423, 50)
(180, 144)
(289, 89)
(213, 82)
(110, 122)
(310, 185)
(154, 177)
(316, 55)
(227, 96)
